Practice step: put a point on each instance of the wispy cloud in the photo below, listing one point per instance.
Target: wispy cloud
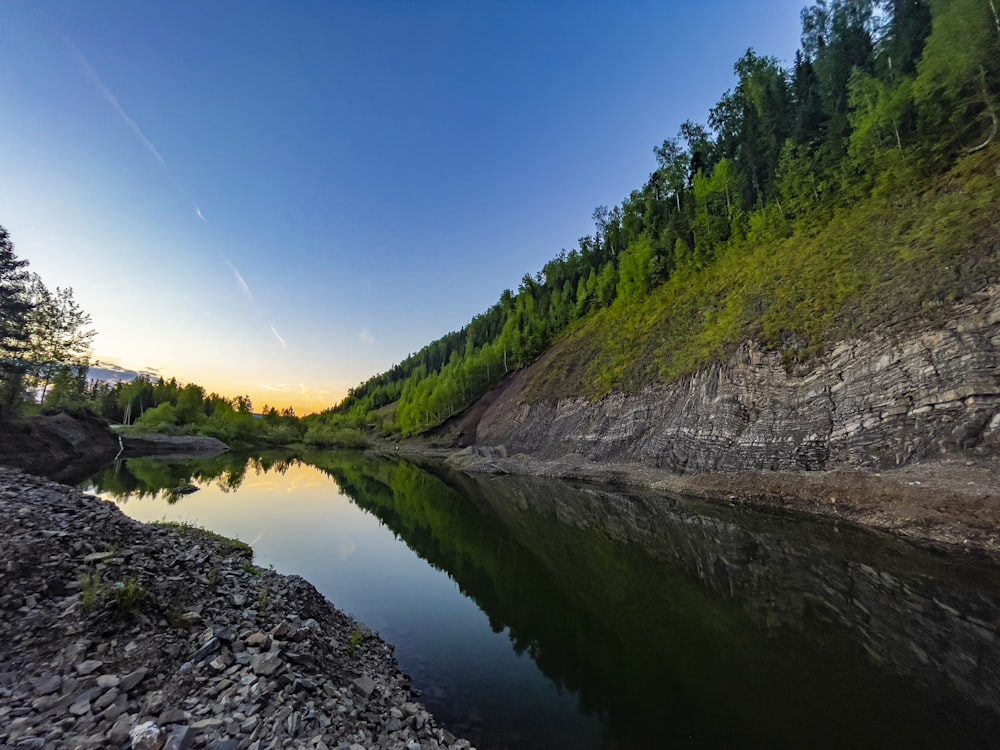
(201, 216)
(96, 82)
(241, 282)
(305, 390)
(278, 336)
(280, 388)
(366, 337)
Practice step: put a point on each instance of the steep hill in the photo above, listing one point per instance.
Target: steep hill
(810, 280)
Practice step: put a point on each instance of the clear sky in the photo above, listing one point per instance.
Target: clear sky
(282, 199)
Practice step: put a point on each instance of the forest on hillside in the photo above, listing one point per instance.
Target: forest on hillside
(881, 105)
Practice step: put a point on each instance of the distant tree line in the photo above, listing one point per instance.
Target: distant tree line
(881, 96)
(45, 358)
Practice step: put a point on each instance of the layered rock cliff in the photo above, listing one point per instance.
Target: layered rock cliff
(899, 394)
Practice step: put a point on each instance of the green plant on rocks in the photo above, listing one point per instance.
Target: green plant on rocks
(357, 637)
(90, 588)
(128, 594)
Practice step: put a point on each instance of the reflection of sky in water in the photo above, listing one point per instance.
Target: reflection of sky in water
(300, 522)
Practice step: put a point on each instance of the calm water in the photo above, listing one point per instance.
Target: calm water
(536, 614)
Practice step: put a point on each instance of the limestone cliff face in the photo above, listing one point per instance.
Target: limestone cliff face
(884, 400)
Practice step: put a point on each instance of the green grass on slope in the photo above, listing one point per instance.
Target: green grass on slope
(883, 261)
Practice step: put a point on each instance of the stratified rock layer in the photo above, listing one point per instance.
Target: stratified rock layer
(891, 398)
(118, 634)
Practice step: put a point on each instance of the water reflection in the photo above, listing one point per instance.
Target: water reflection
(655, 621)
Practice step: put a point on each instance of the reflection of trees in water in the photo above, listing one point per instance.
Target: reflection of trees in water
(152, 477)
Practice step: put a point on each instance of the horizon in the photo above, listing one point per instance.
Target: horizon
(285, 202)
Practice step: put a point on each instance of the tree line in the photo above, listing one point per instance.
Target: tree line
(881, 96)
(45, 358)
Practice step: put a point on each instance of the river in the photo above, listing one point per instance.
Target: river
(538, 614)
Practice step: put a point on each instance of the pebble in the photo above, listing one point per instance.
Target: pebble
(190, 667)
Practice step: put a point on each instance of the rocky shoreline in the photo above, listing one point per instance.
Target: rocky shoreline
(118, 634)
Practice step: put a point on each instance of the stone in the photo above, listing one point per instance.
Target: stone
(180, 738)
(259, 640)
(155, 702)
(210, 647)
(364, 685)
(89, 667)
(147, 736)
(79, 708)
(171, 716)
(98, 557)
(105, 700)
(207, 724)
(267, 663)
(132, 679)
(48, 685)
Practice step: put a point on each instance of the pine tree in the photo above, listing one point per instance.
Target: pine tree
(14, 310)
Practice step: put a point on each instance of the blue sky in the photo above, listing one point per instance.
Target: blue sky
(282, 199)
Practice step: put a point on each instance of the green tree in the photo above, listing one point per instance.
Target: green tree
(15, 308)
(59, 335)
(957, 80)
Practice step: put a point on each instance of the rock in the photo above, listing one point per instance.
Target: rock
(97, 556)
(209, 723)
(155, 703)
(889, 398)
(132, 679)
(147, 736)
(89, 667)
(259, 640)
(267, 663)
(364, 685)
(119, 732)
(237, 690)
(105, 700)
(210, 647)
(180, 738)
(48, 685)
(171, 716)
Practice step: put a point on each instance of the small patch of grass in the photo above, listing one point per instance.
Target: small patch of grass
(213, 577)
(128, 594)
(185, 527)
(357, 637)
(265, 598)
(90, 588)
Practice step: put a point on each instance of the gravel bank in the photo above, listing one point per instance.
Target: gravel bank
(118, 634)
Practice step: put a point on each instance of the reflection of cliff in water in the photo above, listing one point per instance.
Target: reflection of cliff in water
(911, 612)
(677, 621)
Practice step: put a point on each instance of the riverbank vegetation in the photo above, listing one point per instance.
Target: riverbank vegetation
(853, 188)
(45, 361)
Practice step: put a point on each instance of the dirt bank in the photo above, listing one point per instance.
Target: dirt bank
(174, 447)
(951, 504)
(62, 446)
(111, 628)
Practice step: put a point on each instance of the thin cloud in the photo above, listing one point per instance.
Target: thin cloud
(200, 214)
(280, 388)
(278, 336)
(95, 80)
(241, 281)
(366, 337)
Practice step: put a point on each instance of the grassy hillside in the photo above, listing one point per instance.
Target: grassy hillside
(885, 260)
(855, 188)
